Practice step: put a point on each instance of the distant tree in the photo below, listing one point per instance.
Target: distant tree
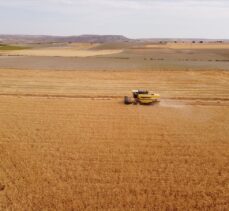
(201, 41)
(193, 41)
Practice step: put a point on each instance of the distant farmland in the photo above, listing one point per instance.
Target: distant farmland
(4, 47)
(68, 142)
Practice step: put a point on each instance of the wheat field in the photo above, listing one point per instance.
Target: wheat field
(67, 141)
(73, 50)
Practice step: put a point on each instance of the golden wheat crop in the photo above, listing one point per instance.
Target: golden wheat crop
(67, 142)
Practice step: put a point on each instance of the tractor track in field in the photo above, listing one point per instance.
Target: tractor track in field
(62, 96)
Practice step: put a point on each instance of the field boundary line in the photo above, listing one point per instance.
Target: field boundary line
(106, 97)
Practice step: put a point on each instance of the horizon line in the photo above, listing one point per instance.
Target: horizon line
(142, 38)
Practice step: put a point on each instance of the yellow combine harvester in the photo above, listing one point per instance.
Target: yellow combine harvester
(143, 97)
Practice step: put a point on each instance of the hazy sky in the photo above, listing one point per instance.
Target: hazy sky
(132, 18)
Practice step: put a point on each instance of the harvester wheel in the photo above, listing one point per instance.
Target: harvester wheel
(127, 100)
(136, 101)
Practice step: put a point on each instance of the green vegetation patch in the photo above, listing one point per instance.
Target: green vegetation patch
(4, 47)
